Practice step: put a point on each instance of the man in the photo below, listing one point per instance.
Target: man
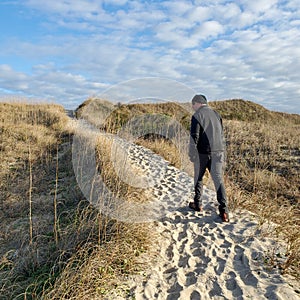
(207, 151)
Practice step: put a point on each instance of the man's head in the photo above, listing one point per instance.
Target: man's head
(198, 101)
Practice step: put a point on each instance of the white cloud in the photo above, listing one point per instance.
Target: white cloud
(177, 8)
(229, 11)
(199, 14)
(67, 7)
(261, 6)
(12, 80)
(209, 29)
(46, 83)
(242, 49)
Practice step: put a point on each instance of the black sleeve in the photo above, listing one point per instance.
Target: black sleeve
(195, 130)
(194, 138)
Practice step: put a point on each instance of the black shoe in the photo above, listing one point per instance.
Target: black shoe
(193, 206)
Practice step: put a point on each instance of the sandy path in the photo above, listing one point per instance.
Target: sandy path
(198, 256)
(201, 258)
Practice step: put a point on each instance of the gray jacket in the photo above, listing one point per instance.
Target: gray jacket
(206, 132)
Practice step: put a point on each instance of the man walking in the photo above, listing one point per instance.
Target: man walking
(207, 151)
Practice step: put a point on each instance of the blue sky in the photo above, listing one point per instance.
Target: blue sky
(67, 51)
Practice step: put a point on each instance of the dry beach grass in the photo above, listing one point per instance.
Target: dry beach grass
(55, 245)
(52, 239)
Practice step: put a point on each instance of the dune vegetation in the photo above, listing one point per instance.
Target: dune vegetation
(56, 245)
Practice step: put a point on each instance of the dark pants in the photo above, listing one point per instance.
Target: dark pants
(214, 162)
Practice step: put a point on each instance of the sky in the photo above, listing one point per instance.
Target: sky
(65, 51)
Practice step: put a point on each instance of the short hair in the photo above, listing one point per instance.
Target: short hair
(199, 99)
